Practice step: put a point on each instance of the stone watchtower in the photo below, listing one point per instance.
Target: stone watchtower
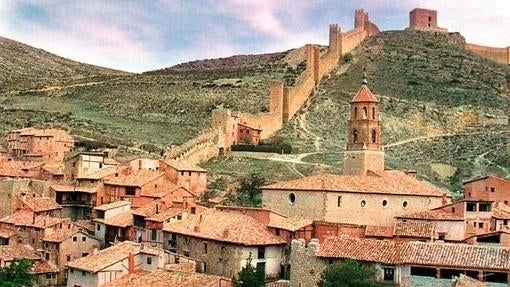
(364, 142)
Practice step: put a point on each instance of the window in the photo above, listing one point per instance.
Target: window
(453, 209)
(205, 248)
(480, 224)
(474, 224)
(154, 235)
(363, 203)
(388, 273)
(100, 165)
(355, 136)
(261, 252)
(186, 254)
(83, 239)
(149, 260)
(405, 204)
(365, 112)
(292, 198)
(68, 258)
(193, 210)
(374, 136)
(493, 189)
(130, 190)
(486, 207)
(84, 254)
(75, 238)
(72, 270)
(182, 172)
(204, 267)
(277, 231)
(384, 203)
(83, 273)
(189, 173)
(471, 206)
(339, 201)
(98, 227)
(355, 113)
(373, 113)
(505, 222)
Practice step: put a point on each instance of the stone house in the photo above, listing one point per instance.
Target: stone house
(39, 145)
(247, 135)
(447, 226)
(187, 175)
(112, 222)
(40, 205)
(78, 164)
(32, 228)
(488, 188)
(101, 267)
(224, 241)
(45, 272)
(11, 189)
(404, 231)
(67, 245)
(401, 263)
(8, 236)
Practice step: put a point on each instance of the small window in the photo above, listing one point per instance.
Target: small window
(292, 198)
(384, 203)
(149, 260)
(193, 210)
(68, 258)
(339, 201)
(453, 209)
(261, 252)
(405, 204)
(205, 248)
(84, 273)
(189, 173)
(493, 189)
(355, 113)
(471, 206)
(480, 224)
(154, 235)
(474, 224)
(182, 172)
(83, 239)
(98, 227)
(84, 254)
(75, 238)
(374, 136)
(505, 222)
(363, 203)
(355, 136)
(373, 113)
(277, 231)
(130, 190)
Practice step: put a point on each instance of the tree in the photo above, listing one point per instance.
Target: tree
(249, 192)
(249, 276)
(17, 274)
(348, 274)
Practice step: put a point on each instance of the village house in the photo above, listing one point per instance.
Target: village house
(66, 245)
(45, 272)
(448, 226)
(223, 242)
(12, 188)
(113, 222)
(40, 205)
(488, 188)
(101, 267)
(500, 238)
(32, 228)
(404, 231)
(366, 193)
(186, 175)
(38, 145)
(78, 164)
(404, 264)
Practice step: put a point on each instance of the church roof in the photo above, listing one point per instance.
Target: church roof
(387, 182)
(364, 95)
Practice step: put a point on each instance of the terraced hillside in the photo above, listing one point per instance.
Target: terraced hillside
(445, 114)
(148, 111)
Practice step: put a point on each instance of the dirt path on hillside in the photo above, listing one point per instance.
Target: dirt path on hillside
(420, 138)
(56, 88)
(481, 158)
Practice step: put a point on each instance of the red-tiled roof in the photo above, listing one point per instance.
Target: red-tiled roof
(98, 174)
(437, 215)
(501, 211)
(112, 205)
(164, 278)
(63, 234)
(133, 178)
(72, 188)
(165, 215)
(123, 219)
(38, 203)
(183, 165)
(388, 182)
(379, 231)
(14, 168)
(414, 229)
(7, 233)
(225, 227)
(54, 169)
(289, 223)
(43, 267)
(452, 255)
(160, 191)
(106, 257)
(27, 218)
(364, 95)
(16, 252)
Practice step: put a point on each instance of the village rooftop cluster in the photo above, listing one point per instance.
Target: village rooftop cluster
(84, 219)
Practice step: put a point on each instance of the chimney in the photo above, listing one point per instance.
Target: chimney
(131, 263)
(225, 233)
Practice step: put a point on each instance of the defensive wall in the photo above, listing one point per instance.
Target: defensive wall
(500, 55)
(284, 102)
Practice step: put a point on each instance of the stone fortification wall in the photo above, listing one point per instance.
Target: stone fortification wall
(196, 150)
(500, 55)
(306, 267)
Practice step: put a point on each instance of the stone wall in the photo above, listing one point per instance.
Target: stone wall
(305, 266)
(10, 188)
(500, 55)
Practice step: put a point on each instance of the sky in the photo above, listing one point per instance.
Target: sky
(138, 36)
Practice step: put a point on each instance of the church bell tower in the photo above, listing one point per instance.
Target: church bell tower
(364, 150)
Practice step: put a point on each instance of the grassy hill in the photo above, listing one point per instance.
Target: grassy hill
(148, 111)
(445, 113)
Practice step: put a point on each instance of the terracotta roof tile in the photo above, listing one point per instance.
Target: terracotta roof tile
(501, 211)
(164, 278)
(165, 215)
(160, 191)
(452, 255)
(364, 95)
(379, 231)
(414, 229)
(27, 218)
(388, 182)
(281, 283)
(226, 227)
(182, 165)
(16, 252)
(106, 257)
(15, 168)
(437, 215)
(112, 205)
(150, 209)
(72, 188)
(39, 203)
(289, 223)
(55, 168)
(123, 219)
(86, 225)
(134, 178)
(98, 174)
(43, 267)
(63, 234)
(7, 233)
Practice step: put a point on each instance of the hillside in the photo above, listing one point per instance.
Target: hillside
(445, 114)
(149, 111)
(23, 67)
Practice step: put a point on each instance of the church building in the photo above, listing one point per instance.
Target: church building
(366, 193)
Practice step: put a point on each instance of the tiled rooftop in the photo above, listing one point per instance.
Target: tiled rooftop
(43, 267)
(16, 252)
(165, 215)
(388, 182)
(183, 165)
(225, 227)
(27, 218)
(436, 215)
(379, 231)
(364, 95)
(289, 223)
(164, 278)
(15, 168)
(7, 233)
(414, 229)
(86, 225)
(123, 219)
(452, 255)
(98, 174)
(133, 178)
(39, 203)
(72, 188)
(160, 190)
(112, 205)
(55, 168)
(150, 209)
(63, 234)
(106, 257)
(281, 283)
(501, 211)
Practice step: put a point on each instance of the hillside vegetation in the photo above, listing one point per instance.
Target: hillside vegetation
(445, 113)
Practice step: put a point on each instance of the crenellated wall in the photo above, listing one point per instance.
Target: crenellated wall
(284, 102)
(500, 55)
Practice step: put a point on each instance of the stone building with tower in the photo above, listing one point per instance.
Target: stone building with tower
(424, 20)
(366, 193)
